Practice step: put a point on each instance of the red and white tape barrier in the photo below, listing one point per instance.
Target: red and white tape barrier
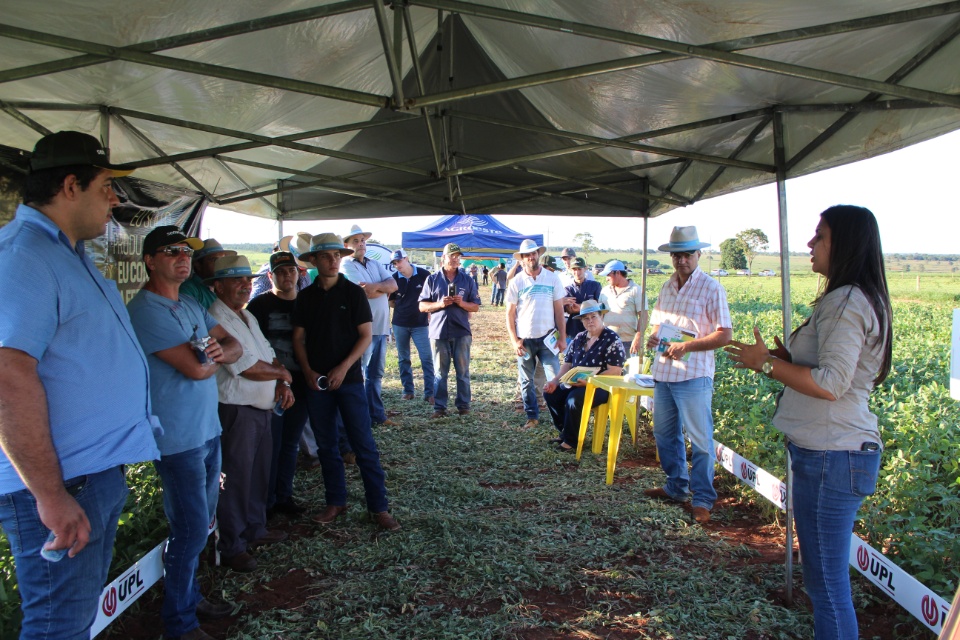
(925, 605)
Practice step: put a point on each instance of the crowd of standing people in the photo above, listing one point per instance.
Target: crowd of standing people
(219, 387)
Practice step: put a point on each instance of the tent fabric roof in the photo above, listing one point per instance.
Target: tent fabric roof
(477, 235)
(308, 109)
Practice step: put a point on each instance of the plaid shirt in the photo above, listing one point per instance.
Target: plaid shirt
(700, 306)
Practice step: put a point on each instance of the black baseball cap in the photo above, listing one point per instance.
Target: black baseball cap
(165, 236)
(71, 148)
(282, 259)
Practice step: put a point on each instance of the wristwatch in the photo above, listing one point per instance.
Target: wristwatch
(767, 367)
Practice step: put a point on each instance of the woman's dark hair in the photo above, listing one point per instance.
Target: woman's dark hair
(39, 187)
(856, 258)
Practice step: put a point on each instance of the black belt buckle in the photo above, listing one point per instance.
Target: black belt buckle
(869, 446)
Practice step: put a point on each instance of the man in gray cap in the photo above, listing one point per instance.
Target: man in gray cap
(203, 261)
(690, 320)
(569, 255)
(377, 284)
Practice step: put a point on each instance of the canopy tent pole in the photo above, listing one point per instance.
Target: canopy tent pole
(780, 160)
(279, 211)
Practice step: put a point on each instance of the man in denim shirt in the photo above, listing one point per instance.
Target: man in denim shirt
(74, 401)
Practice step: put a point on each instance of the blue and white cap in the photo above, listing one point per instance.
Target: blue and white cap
(613, 265)
(397, 255)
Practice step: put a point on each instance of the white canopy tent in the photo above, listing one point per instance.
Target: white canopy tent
(305, 109)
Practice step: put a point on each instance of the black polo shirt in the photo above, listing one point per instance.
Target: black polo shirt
(330, 319)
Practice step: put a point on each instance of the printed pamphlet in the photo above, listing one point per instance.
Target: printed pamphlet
(578, 374)
(669, 333)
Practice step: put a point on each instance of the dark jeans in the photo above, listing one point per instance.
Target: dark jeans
(59, 599)
(286, 430)
(566, 409)
(247, 450)
(457, 351)
(191, 484)
(351, 400)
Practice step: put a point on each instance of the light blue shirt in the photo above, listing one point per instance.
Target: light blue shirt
(187, 408)
(60, 310)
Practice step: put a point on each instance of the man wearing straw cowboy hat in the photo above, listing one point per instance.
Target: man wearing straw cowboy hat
(184, 394)
(692, 302)
(203, 260)
(534, 310)
(331, 330)
(377, 284)
(248, 390)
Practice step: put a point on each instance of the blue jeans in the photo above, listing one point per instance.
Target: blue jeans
(59, 599)
(458, 351)
(498, 296)
(421, 339)
(551, 365)
(287, 430)
(373, 361)
(828, 488)
(686, 407)
(349, 398)
(191, 486)
(566, 409)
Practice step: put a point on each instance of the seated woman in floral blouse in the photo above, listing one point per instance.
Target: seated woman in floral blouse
(595, 346)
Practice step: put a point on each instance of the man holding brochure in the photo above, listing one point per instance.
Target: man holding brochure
(535, 323)
(690, 320)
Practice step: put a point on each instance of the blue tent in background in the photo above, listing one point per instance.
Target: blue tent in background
(478, 236)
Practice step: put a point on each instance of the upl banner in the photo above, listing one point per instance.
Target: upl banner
(144, 206)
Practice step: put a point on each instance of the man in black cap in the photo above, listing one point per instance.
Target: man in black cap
(274, 313)
(183, 390)
(67, 353)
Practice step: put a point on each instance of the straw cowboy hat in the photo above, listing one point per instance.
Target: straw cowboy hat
(325, 242)
(212, 246)
(682, 240)
(230, 267)
(355, 230)
(297, 245)
(529, 246)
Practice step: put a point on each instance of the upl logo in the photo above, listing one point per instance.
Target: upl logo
(748, 472)
(930, 610)
(128, 587)
(876, 567)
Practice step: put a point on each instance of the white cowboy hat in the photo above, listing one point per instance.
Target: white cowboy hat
(355, 230)
(529, 246)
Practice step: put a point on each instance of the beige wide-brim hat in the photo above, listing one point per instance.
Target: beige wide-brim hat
(683, 239)
(529, 246)
(355, 230)
(230, 267)
(297, 245)
(325, 242)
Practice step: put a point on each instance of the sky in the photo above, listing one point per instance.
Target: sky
(913, 192)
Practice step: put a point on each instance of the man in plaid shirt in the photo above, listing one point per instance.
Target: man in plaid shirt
(692, 310)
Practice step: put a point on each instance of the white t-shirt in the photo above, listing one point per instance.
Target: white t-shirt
(534, 297)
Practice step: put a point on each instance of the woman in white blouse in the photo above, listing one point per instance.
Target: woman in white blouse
(831, 363)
